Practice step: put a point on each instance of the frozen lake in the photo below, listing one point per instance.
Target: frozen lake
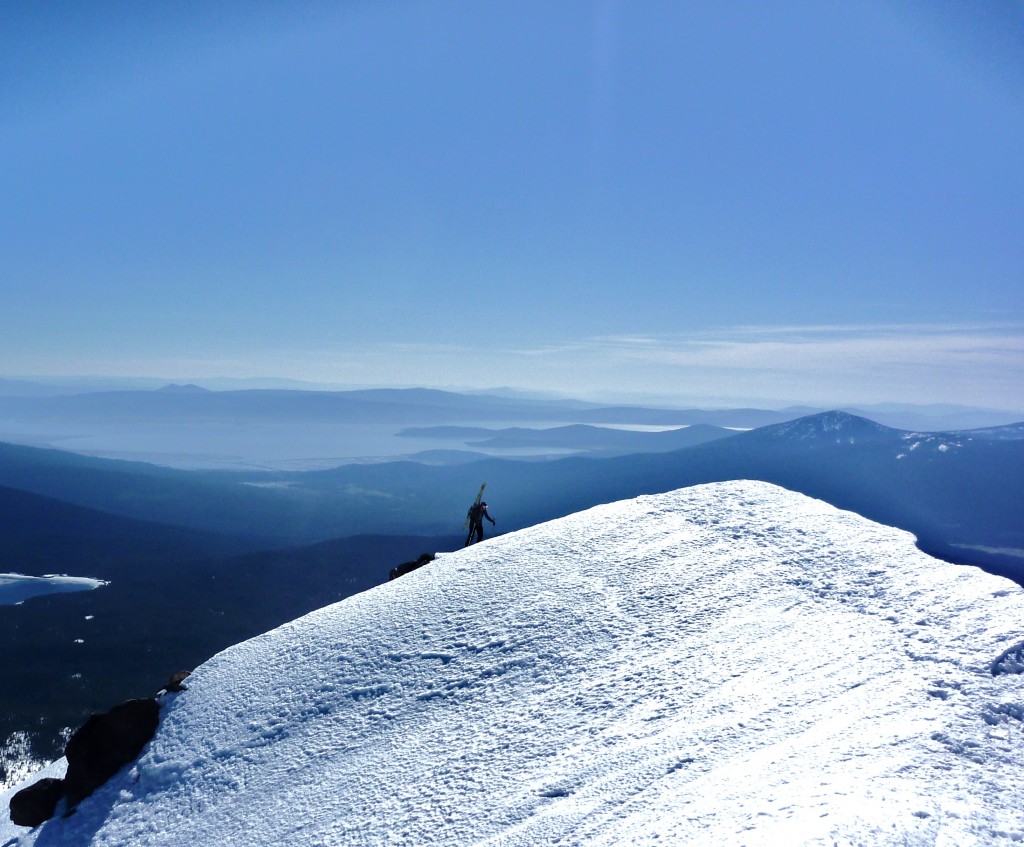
(240, 445)
(16, 588)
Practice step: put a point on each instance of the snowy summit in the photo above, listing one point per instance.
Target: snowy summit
(726, 664)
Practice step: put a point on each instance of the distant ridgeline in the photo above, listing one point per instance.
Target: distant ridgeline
(957, 492)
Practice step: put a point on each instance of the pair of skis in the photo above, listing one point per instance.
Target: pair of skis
(479, 497)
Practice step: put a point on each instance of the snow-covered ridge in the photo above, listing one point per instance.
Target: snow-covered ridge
(727, 664)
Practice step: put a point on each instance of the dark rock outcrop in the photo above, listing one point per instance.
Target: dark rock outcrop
(176, 680)
(107, 742)
(405, 567)
(36, 804)
(99, 749)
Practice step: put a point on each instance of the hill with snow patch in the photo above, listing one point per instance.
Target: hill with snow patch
(727, 664)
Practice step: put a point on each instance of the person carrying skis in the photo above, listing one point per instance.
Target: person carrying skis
(477, 513)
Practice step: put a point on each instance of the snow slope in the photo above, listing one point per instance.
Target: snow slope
(726, 664)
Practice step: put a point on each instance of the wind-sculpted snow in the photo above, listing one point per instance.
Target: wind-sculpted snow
(726, 664)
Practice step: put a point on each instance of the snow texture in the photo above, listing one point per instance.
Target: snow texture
(726, 664)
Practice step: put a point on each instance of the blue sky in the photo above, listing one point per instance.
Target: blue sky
(703, 202)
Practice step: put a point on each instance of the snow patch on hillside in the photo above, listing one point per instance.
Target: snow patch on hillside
(726, 664)
(17, 588)
(943, 442)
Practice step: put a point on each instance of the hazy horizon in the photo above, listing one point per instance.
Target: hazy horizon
(101, 383)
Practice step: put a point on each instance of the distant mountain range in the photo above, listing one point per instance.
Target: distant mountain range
(958, 492)
(97, 399)
(411, 407)
(189, 426)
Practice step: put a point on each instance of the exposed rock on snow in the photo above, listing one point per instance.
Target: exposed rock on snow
(105, 743)
(95, 752)
(409, 567)
(726, 664)
(36, 803)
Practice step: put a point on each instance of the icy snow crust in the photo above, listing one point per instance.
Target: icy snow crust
(726, 664)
